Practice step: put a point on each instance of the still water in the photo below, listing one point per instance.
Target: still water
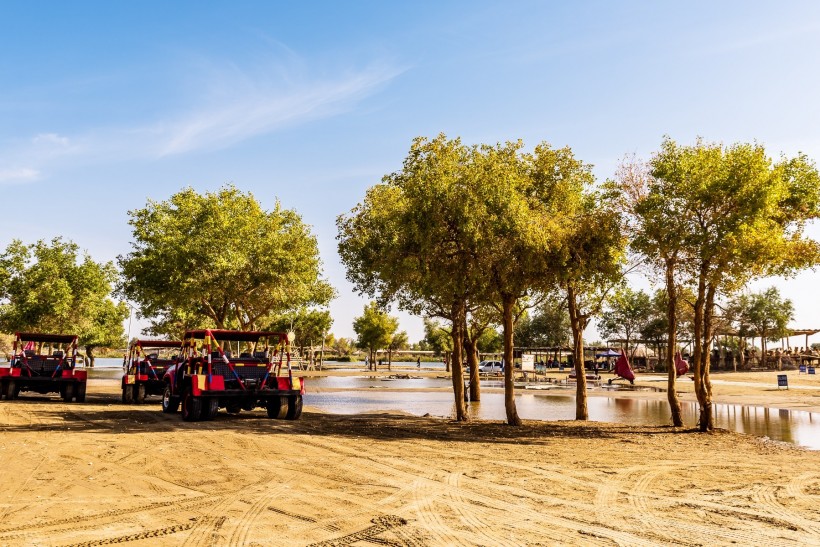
(798, 427)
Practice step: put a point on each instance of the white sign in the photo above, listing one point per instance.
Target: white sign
(528, 361)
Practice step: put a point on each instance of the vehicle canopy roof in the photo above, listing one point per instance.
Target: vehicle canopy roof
(42, 337)
(232, 335)
(156, 343)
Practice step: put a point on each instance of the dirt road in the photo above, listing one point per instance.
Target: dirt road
(104, 473)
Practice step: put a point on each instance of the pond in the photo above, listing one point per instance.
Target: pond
(794, 426)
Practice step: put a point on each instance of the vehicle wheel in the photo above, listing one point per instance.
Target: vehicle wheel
(128, 394)
(4, 386)
(170, 404)
(294, 407)
(210, 408)
(277, 408)
(139, 393)
(233, 408)
(79, 393)
(191, 406)
(12, 390)
(68, 394)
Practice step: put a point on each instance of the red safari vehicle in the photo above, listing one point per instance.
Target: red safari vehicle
(246, 375)
(51, 371)
(146, 363)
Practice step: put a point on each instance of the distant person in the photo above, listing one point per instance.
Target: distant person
(418, 362)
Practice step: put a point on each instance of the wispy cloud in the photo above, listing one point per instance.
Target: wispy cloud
(259, 107)
(18, 175)
(230, 106)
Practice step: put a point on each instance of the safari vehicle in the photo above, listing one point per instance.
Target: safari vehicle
(44, 363)
(246, 375)
(145, 365)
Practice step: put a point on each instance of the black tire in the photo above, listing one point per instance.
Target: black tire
(294, 407)
(191, 406)
(277, 408)
(139, 394)
(12, 390)
(128, 394)
(79, 393)
(233, 408)
(68, 394)
(170, 404)
(210, 408)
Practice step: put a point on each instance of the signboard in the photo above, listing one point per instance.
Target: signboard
(811, 370)
(782, 381)
(801, 369)
(527, 362)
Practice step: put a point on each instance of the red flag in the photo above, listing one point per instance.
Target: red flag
(681, 366)
(622, 367)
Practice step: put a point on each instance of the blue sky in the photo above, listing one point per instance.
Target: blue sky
(105, 104)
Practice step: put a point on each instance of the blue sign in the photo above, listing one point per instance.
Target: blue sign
(782, 381)
(801, 369)
(811, 370)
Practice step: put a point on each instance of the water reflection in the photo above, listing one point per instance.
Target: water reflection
(792, 426)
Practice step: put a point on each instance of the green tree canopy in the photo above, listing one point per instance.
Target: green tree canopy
(721, 216)
(627, 313)
(219, 260)
(309, 325)
(49, 287)
(765, 314)
(375, 330)
(547, 325)
(415, 238)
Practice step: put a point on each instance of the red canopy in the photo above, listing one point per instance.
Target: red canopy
(41, 337)
(157, 343)
(233, 335)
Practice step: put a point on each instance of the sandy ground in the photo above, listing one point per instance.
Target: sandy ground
(104, 473)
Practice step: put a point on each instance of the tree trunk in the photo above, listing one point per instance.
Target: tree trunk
(447, 357)
(578, 323)
(764, 358)
(458, 317)
(703, 332)
(471, 346)
(508, 302)
(697, 350)
(671, 343)
(389, 359)
(89, 352)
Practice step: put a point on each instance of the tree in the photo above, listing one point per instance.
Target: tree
(586, 266)
(438, 339)
(720, 216)
(343, 347)
(415, 237)
(308, 325)
(48, 287)
(767, 313)
(628, 312)
(547, 326)
(375, 330)
(397, 341)
(219, 260)
(477, 331)
(656, 328)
